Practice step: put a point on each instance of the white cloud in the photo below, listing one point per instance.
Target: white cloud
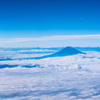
(62, 78)
(36, 50)
(46, 38)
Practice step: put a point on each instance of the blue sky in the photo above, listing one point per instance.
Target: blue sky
(40, 18)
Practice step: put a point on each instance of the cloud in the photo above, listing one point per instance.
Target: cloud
(50, 38)
(60, 79)
(87, 62)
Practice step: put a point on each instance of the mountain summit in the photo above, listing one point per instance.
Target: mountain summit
(67, 51)
(64, 52)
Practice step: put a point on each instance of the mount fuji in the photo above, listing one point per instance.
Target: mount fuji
(67, 51)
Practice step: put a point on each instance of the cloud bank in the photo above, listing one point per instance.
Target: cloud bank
(61, 78)
(50, 38)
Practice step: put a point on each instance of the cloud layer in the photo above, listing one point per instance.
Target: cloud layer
(49, 38)
(60, 78)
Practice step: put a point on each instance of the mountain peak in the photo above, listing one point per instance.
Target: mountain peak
(67, 51)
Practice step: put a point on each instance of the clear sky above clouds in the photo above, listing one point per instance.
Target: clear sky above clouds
(40, 18)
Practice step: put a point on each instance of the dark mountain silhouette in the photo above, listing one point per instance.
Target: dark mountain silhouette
(64, 52)
(68, 51)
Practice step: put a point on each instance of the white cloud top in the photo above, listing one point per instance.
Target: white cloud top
(60, 78)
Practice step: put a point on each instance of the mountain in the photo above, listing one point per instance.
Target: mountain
(64, 52)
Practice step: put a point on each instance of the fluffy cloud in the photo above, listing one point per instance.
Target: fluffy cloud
(60, 78)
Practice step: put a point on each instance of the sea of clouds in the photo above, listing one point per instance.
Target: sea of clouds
(74, 77)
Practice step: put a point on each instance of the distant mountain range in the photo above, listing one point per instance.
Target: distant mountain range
(88, 48)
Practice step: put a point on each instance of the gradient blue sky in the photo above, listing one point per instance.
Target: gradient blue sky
(40, 18)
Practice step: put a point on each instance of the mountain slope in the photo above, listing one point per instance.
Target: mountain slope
(64, 52)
